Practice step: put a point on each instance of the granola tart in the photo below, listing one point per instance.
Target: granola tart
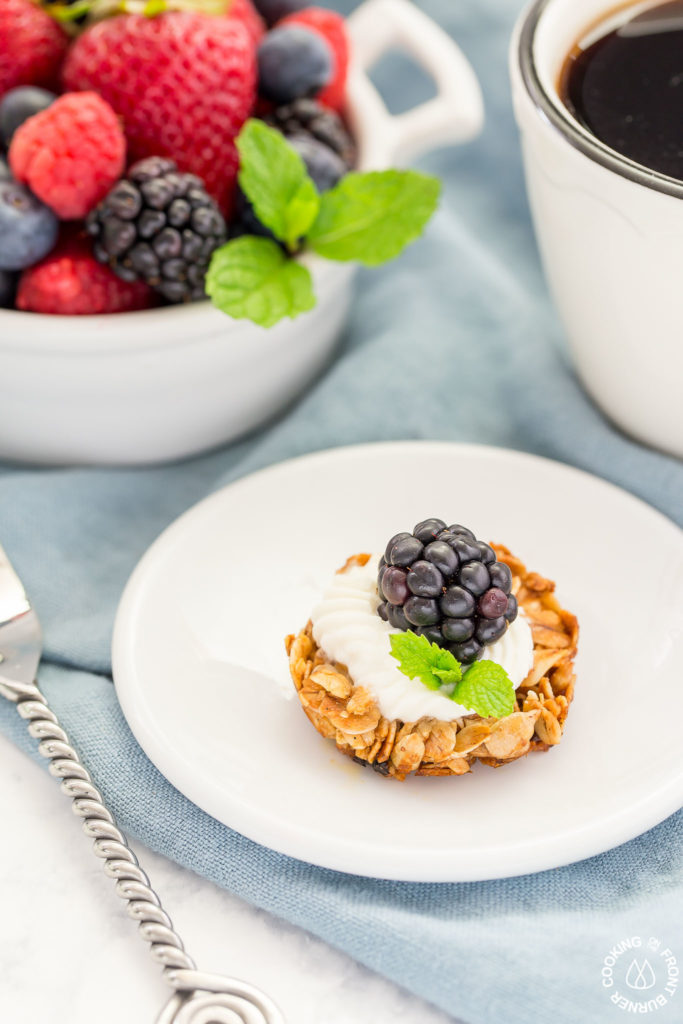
(344, 710)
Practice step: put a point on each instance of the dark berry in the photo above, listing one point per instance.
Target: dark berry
(456, 631)
(492, 603)
(397, 617)
(433, 634)
(511, 611)
(428, 530)
(445, 584)
(307, 117)
(28, 229)
(466, 652)
(488, 555)
(382, 612)
(442, 556)
(501, 576)
(293, 62)
(425, 580)
(457, 602)
(422, 611)
(403, 549)
(161, 226)
(475, 577)
(273, 10)
(8, 288)
(322, 164)
(18, 105)
(490, 630)
(5, 173)
(394, 585)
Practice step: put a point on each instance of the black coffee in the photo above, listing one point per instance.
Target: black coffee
(627, 88)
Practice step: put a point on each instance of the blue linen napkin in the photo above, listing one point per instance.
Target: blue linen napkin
(456, 341)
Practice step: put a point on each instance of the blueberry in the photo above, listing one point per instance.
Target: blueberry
(488, 555)
(511, 612)
(8, 287)
(293, 62)
(397, 617)
(433, 634)
(425, 580)
(501, 576)
(18, 105)
(428, 529)
(422, 611)
(456, 631)
(403, 549)
(442, 556)
(394, 585)
(322, 163)
(466, 652)
(28, 229)
(458, 603)
(272, 10)
(492, 603)
(490, 630)
(475, 577)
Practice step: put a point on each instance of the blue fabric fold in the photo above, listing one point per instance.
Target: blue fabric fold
(455, 341)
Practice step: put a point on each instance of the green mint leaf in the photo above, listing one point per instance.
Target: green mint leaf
(275, 180)
(250, 278)
(486, 689)
(419, 659)
(372, 217)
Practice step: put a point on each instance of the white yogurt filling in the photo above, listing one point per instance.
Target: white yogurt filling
(348, 629)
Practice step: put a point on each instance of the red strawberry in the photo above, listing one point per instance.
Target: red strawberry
(71, 282)
(32, 46)
(71, 154)
(183, 82)
(244, 11)
(332, 27)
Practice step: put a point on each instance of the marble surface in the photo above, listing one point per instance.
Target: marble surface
(69, 952)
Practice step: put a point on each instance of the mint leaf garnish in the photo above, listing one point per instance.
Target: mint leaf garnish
(372, 217)
(251, 278)
(419, 659)
(275, 180)
(487, 689)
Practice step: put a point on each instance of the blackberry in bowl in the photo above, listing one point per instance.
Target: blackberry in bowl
(443, 583)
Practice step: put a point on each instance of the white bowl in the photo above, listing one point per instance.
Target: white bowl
(162, 384)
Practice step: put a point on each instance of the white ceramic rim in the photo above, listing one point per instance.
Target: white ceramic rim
(550, 107)
(348, 856)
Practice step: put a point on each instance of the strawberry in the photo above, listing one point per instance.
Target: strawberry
(332, 27)
(244, 11)
(32, 45)
(183, 83)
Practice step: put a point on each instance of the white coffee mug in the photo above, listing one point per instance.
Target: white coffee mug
(610, 233)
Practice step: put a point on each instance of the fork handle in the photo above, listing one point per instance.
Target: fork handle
(225, 1000)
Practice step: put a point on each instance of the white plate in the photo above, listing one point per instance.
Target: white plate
(201, 673)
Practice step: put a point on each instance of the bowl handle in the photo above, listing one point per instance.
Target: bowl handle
(455, 114)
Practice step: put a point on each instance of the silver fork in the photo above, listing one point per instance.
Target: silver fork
(198, 998)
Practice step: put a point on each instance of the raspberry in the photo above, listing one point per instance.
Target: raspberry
(186, 93)
(244, 11)
(32, 45)
(71, 282)
(70, 154)
(443, 583)
(159, 226)
(332, 28)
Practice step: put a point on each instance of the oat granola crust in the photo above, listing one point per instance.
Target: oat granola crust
(349, 714)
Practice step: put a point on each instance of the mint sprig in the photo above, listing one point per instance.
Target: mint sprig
(368, 218)
(484, 687)
(275, 180)
(251, 278)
